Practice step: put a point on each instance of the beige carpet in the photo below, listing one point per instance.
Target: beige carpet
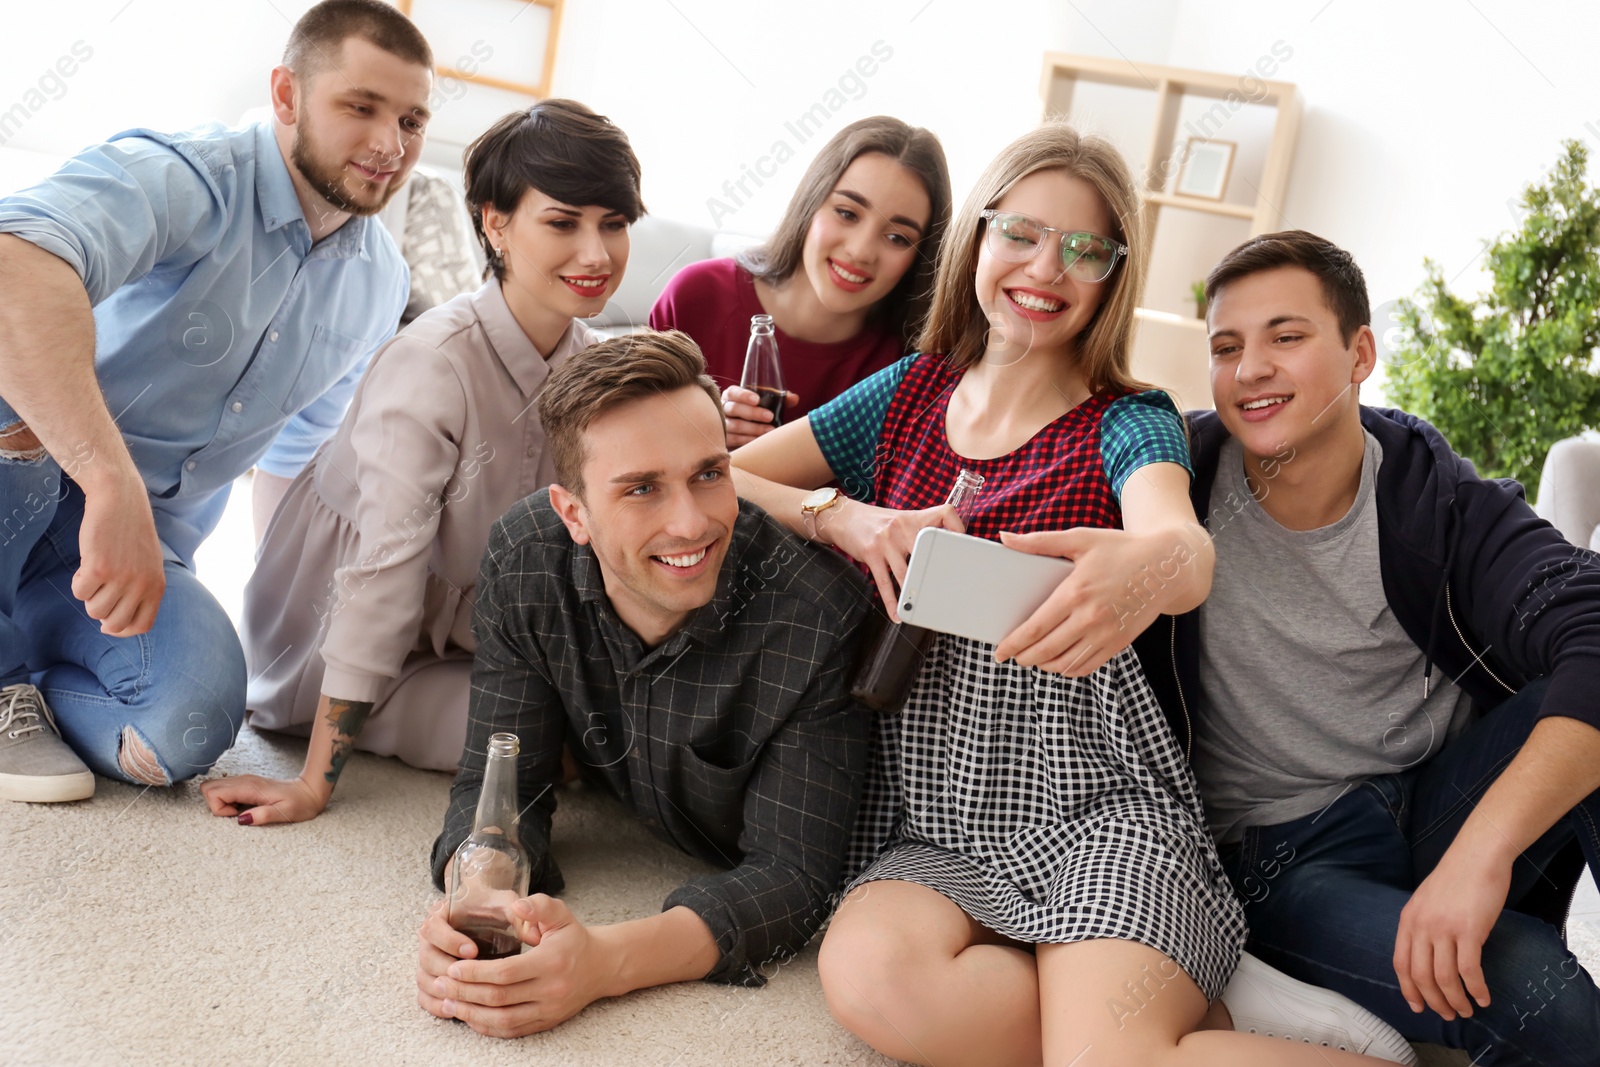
(140, 930)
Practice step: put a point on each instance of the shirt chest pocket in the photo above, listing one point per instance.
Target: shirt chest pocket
(712, 785)
(327, 358)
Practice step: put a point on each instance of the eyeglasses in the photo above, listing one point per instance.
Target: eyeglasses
(1088, 257)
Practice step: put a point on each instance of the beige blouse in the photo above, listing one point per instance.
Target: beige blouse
(442, 436)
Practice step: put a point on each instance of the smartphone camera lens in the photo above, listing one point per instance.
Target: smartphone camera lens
(906, 606)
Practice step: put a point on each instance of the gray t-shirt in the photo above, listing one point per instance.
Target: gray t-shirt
(1311, 686)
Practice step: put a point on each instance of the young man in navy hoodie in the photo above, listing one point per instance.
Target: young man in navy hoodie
(1394, 685)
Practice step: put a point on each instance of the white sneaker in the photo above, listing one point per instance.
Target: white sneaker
(1264, 1000)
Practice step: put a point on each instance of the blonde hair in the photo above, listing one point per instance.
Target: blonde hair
(956, 324)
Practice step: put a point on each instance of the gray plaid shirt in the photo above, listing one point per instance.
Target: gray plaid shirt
(735, 739)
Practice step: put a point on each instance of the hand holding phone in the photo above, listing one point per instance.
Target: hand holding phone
(972, 587)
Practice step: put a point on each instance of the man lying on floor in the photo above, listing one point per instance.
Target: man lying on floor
(695, 656)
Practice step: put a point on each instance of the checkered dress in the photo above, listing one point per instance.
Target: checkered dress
(1050, 809)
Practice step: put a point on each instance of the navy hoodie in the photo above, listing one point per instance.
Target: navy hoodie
(1490, 592)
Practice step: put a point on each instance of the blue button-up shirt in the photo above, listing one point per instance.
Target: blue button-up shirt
(223, 337)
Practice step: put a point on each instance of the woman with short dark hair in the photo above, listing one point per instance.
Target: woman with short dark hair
(361, 601)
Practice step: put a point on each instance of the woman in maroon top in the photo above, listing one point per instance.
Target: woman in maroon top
(845, 277)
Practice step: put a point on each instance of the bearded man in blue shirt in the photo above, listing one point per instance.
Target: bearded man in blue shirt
(175, 309)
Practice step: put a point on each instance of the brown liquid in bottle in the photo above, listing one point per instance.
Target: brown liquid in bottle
(772, 400)
(892, 666)
(762, 373)
(490, 867)
(493, 942)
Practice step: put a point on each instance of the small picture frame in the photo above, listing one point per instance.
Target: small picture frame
(1207, 166)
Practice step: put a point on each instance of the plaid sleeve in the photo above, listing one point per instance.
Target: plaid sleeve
(1140, 429)
(847, 428)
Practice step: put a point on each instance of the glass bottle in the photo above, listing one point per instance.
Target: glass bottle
(491, 868)
(762, 374)
(891, 668)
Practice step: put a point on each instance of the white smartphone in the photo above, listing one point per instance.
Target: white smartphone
(973, 587)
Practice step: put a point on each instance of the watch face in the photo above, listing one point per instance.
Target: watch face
(820, 498)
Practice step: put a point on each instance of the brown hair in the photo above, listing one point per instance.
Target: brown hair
(776, 260)
(956, 323)
(560, 148)
(630, 367)
(1344, 288)
(321, 31)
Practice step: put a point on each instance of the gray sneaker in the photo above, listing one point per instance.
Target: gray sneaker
(35, 764)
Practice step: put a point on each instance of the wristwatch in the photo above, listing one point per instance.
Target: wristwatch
(817, 502)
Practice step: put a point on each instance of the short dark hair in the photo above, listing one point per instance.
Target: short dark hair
(905, 307)
(317, 37)
(560, 148)
(613, 372)
(1344, 287)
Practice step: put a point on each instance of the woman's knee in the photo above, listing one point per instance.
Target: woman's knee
(868, 970)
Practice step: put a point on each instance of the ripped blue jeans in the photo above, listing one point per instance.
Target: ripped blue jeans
(179, 689)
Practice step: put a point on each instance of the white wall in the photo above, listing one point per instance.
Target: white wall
(705, 87)
(1422, 119)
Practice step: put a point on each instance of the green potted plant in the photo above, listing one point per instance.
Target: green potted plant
(1198, 291)
(1507, 374)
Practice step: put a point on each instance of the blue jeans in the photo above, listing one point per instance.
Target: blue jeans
(1323, 896)
(180, 687)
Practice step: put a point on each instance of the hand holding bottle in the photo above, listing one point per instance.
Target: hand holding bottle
(490, 867)
(897, 656)
(760, 400)
(747, 419)
(568, 968)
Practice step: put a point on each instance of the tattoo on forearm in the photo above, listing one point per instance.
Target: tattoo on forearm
(346, 717)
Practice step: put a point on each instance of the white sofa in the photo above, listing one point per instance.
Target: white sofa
(1569, 489)
(660, 248)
